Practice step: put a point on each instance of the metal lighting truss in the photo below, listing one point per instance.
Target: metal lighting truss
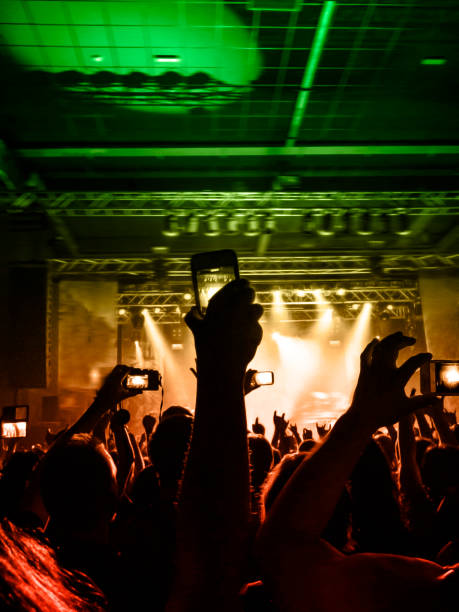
(299, 304)
(182, 204)
(258, 268)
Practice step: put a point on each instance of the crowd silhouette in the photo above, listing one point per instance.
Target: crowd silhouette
(198, 513)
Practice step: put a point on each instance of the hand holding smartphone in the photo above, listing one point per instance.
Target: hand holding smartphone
(211, 271)
(14, 421)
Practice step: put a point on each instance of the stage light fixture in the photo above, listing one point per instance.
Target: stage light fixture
(355, 306)
(341, 292)
(211, 227)
(122, 312)
(171, 227)
(300, 292)
(390, 307)
(187, 297)
(157, 310)
(167, 59)
(177, 347)
(252, 227)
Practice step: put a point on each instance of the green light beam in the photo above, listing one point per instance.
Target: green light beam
(310, 71)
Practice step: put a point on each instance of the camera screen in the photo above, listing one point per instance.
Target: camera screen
(137, 381)
(212, 280)
(14, 430)
(264, 378)
(447, 378)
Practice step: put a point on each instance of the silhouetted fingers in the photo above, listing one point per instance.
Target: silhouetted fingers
(366, 355)
(385, 353)
(193, 319)
(410, 366)
(421, 402)
(228, 294)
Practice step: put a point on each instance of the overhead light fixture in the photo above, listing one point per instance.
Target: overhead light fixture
(171, 227)
(211, 227)
(167, 59)
(97, 58)
(433, 61)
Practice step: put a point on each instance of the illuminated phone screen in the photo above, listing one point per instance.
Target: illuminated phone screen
(137, 381)
(264, 378)
(212, 280)
(447, 378)
(14, 430)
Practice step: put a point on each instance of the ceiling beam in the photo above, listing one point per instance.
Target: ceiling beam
(168, 152)
(310, 72)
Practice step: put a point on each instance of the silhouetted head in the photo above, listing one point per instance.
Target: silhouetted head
(261, 458)
(279, 478)
(31, 578)
(307, 446)
(173, 411)
(167, 448)
(78, 483)
(440, 470)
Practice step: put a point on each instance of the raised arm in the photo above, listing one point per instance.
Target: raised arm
(214, 500)
(309, 498)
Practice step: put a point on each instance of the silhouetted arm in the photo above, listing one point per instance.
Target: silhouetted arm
(214, 498)
(307, 502)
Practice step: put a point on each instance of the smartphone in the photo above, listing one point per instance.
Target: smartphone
(263, 378)
(211, 271)
(143, 380)
(440, 377)
(14, 421)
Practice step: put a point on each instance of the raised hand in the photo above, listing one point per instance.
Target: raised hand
(379, 398)
(112, 390)
(229, 333)
(258, 428)
(323, 430)
(249, 381)
(307, 433)
(280, 423)
(148, 423)
(294, 429)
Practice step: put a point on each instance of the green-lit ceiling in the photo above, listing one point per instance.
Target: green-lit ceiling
(233, 73)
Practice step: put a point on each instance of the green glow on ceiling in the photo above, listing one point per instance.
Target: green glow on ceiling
(126, 35)
(433, 61)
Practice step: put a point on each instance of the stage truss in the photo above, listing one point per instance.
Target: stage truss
(163, 284)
